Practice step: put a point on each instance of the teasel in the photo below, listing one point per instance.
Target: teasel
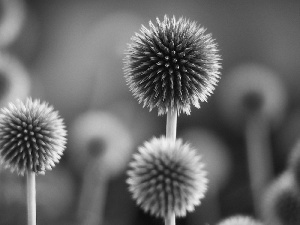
(254, 99)
(15, 82)
(32, 140)
(13, 14)
(240, 220)
(172, 65)
(281, 202)
(167, 177)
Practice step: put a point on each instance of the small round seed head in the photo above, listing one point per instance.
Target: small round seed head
(239, 220)
(167, 177)
(173, 64)
(281, 204)
(32, 136)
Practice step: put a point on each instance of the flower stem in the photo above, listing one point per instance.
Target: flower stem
(171, 133)
(170, 219)
(259, 158)
(31, 198)
(171, 125)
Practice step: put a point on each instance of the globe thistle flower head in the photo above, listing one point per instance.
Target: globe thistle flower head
(172, 64)
(239, 220)
(167, 177)
(101, 135)
(32, 136)
(249, 89)
(282, 201)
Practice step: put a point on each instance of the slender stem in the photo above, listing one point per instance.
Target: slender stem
(92, 199)
(170, 219)
(171, 124)
(171, 133)
(259, 158)
(31, 198)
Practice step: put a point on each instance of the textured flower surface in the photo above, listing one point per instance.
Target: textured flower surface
(173, 64)
(281, 204)
(240, 220)
(32, 136)
(167, 177)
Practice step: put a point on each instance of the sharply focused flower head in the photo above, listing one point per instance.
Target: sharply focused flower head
(172, 64)
(281, 204)
(32, 136)
(239, 220)
(167, 177)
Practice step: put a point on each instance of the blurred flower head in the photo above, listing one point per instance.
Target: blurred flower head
(13, 13)
(99, 133)
(172, 64)
(281, 205)
(167, 177)
(252, 88)
(14, 79)
(239, 220)
(32, 136)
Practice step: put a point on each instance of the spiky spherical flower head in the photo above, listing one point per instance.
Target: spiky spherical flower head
(172, 64)
(239, 220)
(281, 204)
(167, 177)
(32, 136)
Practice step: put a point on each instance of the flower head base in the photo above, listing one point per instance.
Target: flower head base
(173, 64)
(167, 177)
(239, 220)
(32, 136)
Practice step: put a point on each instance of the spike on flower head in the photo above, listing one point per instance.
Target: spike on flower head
(239, 220)
(282, 201)
(167, 177)
(32, 136)
(173, 64)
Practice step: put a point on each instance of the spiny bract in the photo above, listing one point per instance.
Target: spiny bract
(172, 65)
(240, 220)
(32, 136)
(167, 177)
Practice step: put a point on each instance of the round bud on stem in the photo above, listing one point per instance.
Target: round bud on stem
(32, 136)
(167, 177)
(172, 64)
